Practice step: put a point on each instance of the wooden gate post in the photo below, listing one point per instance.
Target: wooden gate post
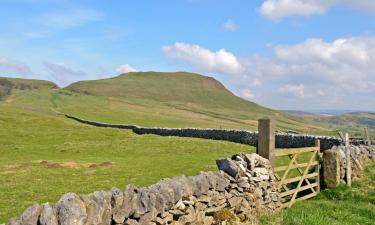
(348, 162)
(266, 139)
(367, 137)
(317, 144)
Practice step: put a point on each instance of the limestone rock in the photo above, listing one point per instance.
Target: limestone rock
(71, 210)
(98, 208)
(30, 215)
(14, 221)
(331, 168)
(48, 215)
(131, 222)
(228, 166)
(117, 200)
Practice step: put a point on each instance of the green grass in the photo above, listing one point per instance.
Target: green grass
(158, 99)
(44, 156)
(341, 205)
(172, 99)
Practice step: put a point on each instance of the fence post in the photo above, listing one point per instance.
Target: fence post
(367, 136)
(266, 139)
(317, 144)
(348, 161)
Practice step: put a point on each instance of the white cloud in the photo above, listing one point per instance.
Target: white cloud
(296, 90)
(347, 63)
(320, 92)
(203, 59)
(62, 74)
(230, 25)
(331, 70)
(125, 68)
(278, 9)
(68, 18)
(10, 66)
(256, 82)
(247, 94)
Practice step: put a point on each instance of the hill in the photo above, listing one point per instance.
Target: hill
(354, 121)
(178, 100)
(8, 84)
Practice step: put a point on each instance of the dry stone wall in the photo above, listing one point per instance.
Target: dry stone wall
(243, 187)
(334, 163)
(283, 140)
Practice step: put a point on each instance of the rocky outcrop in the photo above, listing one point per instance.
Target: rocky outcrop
(243, 187)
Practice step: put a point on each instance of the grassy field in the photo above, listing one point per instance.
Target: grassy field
(44, 156)
(339, 206)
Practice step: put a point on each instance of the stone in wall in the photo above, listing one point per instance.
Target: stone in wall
(359, 155)
(243, 187)
(331, 168)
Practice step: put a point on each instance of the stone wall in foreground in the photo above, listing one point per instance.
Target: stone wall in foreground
(243, 187)
(283, 140)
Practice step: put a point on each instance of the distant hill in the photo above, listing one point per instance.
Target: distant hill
(177, 99)
(300, 113)
(8, 84)
(354, 121)
(179, 88)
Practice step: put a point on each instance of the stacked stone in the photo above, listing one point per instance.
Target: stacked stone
(359, 155)
(243, 187)
(282, 140)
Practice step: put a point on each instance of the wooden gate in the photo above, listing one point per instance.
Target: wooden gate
(296, 169)
(297, 173)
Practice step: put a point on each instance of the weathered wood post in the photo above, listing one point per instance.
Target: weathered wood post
(367, 136)
(317, 144)
(348, 164)
(266, 139)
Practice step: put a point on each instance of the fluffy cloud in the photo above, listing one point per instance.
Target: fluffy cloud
(346, 62)
(324, 73)
(10, 66)
(296, 90)
(125, 68)
(277, 9)
(203, 59)
(62, 74)
(247, 94)
(230, 25)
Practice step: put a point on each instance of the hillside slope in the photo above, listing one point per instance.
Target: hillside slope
(7, 85)
(157, 99)
(355, 121)
(179, 88)
(179, 100)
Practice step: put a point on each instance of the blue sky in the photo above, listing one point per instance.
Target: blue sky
(284, 54)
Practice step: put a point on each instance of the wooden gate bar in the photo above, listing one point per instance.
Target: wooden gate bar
(289, 194)
(300, 165)
(303, 178)
(286, 151)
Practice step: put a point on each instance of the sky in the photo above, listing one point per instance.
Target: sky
(283, 54)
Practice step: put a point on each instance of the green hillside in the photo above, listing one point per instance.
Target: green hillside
(354, 122)
(172, 99)
(44, 155)
(7, 85)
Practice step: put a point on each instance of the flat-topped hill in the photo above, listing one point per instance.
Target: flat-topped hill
(178, 99)
(172, 88)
